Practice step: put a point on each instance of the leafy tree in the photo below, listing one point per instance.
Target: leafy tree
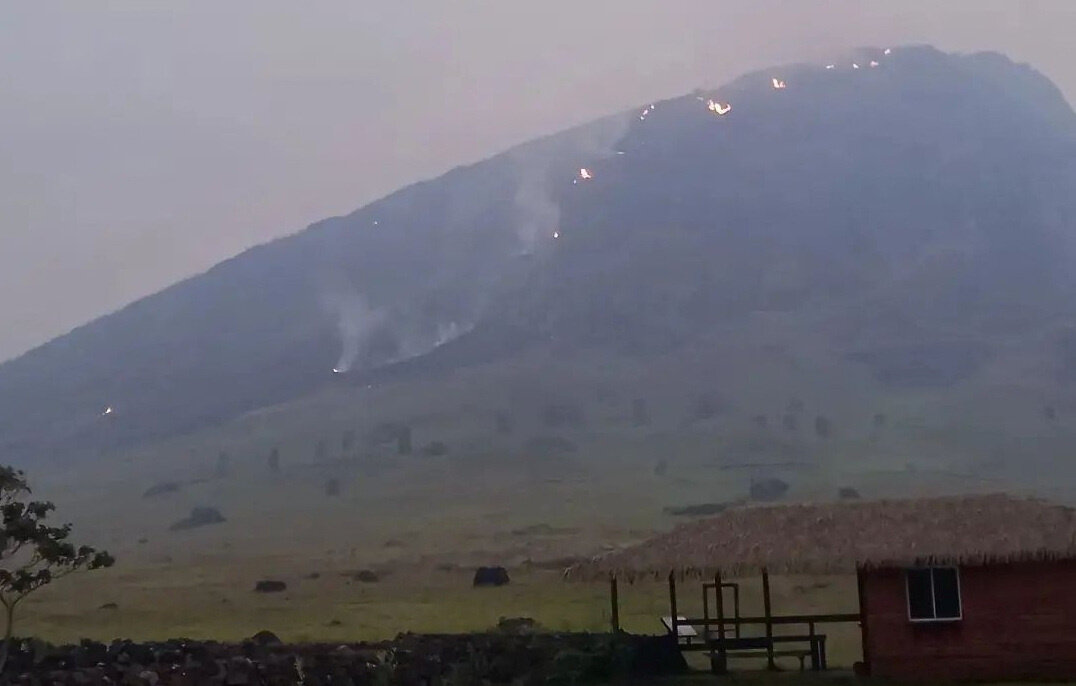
(223, 468)
(32, 553)
(822, 426)
(640, 415)
(403, 441)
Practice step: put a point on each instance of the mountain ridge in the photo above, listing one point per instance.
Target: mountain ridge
(662, 243)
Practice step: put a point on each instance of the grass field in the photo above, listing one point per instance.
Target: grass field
(423, 523)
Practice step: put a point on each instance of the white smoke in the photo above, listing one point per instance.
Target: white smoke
(355, 320)
(537, 212)
(538, 215)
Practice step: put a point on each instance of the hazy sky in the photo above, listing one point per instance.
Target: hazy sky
(141, 142)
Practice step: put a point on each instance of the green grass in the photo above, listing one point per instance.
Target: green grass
(407, 516)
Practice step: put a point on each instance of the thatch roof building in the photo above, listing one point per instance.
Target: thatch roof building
(841, 537)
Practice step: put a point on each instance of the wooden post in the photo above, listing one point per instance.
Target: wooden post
(722, 651)
(736, 606)
(672, 608)
(863, 619)
(768, 610)
(614, 599)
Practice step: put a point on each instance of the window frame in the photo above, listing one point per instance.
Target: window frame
(933, 598)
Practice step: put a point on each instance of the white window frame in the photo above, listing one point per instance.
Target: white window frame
(933, 600)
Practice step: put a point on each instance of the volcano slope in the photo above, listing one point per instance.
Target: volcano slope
(861, 280)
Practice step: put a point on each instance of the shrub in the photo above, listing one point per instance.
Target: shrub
(640, 415)
(767, 489)
(822, 427)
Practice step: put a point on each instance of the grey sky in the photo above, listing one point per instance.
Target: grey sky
(142, 141)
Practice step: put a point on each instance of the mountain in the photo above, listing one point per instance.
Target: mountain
(912, 213)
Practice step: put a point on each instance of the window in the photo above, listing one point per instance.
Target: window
(933, 594)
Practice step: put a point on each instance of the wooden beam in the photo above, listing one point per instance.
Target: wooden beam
(768, 612)
(722, 652)
(672, 608)
(863, 619)
(614, 600)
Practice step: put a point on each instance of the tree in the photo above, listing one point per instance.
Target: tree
(223, 468)
(822, 426)
(274, 460)
(403, 441)
(32, 553)
(640, 415)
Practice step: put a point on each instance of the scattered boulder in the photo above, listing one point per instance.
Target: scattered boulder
(270, 586)
(547, 446)
(435, 449)
(700, 510)
(266, 638)
(109, 606)
(334, 622)
(847, 493)
(518, 626)
(163, 488)
(490, 576)
(199, 516)
(767, 489)
(563, 415)
(366, 576)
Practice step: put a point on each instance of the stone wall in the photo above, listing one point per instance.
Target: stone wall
(409, 660)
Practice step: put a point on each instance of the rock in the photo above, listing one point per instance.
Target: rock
(266, 638)
(490, 576)
(163, 488)
(770, 488)
(517, 626)
(150, 677)
(200, 516)
(435, 449)
(700, 510)
(109, 606)
(335, 622)
(270, 586)
(847, 493)
(367, 576)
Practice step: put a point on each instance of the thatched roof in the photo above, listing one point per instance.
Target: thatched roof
(838, 537)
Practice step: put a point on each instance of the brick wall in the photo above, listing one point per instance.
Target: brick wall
(1019, 622)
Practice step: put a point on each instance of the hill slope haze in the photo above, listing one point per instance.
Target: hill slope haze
(913, 219)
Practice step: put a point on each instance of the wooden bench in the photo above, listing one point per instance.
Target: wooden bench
(761, 647)
(684, 631)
